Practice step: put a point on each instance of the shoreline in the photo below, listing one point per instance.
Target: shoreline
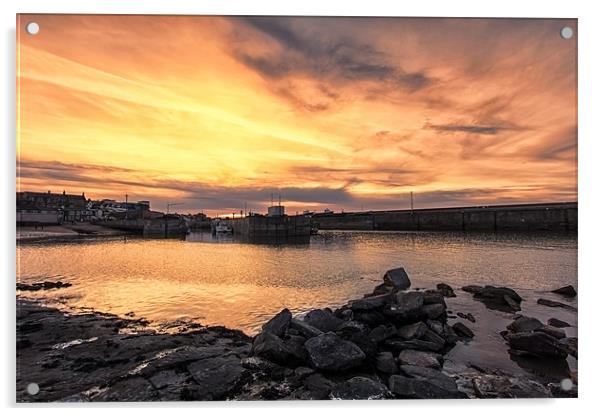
(393, 343)
(65, 232)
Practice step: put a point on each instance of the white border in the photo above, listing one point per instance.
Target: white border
(590, 70)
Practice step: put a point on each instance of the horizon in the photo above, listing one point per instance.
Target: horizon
(215, 112)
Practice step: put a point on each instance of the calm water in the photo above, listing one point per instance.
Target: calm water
(242, 285)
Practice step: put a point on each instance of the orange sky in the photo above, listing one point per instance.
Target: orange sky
(339, 113)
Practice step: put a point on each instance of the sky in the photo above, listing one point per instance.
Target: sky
(213, 113)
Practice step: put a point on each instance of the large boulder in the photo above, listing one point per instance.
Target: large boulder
(323, 319)
(330, 352)
(537, 343)
(385, 363)
(568, 291)
(462, 330)
(558, 323)
(434, 376)
(415, 330)
(418, 388)
(305, 329)
(407, 303)
(279, 323)
(420, 358)
(524, 324)
(382, 332)
(554, 304)
(446, 290)
(360, 388)
(271, 347)
(398, 278)
(216, 377)
(491, 386)
(369, 303)
(497, 298)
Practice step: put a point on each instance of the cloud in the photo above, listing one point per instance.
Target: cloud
(471, 129)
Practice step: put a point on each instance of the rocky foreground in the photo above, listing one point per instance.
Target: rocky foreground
(390, 344)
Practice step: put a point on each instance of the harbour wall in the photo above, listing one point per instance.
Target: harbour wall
(524, 217)
(263, 228)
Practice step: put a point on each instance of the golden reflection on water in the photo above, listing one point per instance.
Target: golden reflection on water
(243, 285)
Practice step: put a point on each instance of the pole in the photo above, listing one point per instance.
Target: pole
(126, 206)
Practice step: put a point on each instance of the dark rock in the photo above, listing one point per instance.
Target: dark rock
(383, 289)
(304, 328)
(554, 304)
(409, 302)
(468, 316)
(446, 290)
(497, 298)
(433, 337)
(385, 363)
(433, 296)
(279, 323)
(330, 352)
(568, 291)
(370, 318)
(369, 303)
(42, 286)
(166, 378)
(434, 376)
(304, 371)
(323, 319)
(420, 358)
(472, 289)
(536, 343)
(319, 385)
(414, 388)
(462, 330)
(273, 348)
(489, 386)
(558, 323)
(360, 388)
(415, 330)
(397, 278)
(435, 326)
(216, 377)
(524, 324)
(352, 327)
(433, 311)
(550, 330)
(570, 344)
(135, 389)
(382, 332)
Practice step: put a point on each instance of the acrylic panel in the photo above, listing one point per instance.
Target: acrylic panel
(295, 208)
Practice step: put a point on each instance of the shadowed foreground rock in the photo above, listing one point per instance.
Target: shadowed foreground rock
(390, 344)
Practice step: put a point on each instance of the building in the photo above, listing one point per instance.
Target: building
(44, 207)
(276, 211)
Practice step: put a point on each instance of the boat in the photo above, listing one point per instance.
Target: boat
(220, 227)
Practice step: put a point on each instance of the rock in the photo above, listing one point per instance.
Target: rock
(554, 304)
(462, 330)
(497, 298)
(398, 278)
(432, 336)
(304, 328)
(304, 371)
(555, 332)
(420, 358)
(271, 347)
(468, 316)
(446, 290)
(489, 386)
(216, 377)
(360, 388)
(383, 289)
(319, 385)
(407, 303)
(135, 389)
(323, 319)
(536, 343)
(524, 324)
(382, 332)
(279, 323)
(42, 286)
(568, 291)
(413, 388)
(433, 311)
(166, 378)
(415, 330)
(434, 376)
(570, 345)
(433, 296)
(385, 363)
(558, 323)
(330, 352)
(435, 326)
(369, 303)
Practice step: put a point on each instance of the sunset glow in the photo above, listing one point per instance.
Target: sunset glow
(339, 113)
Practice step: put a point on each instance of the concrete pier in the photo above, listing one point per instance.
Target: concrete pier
(524, 217)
